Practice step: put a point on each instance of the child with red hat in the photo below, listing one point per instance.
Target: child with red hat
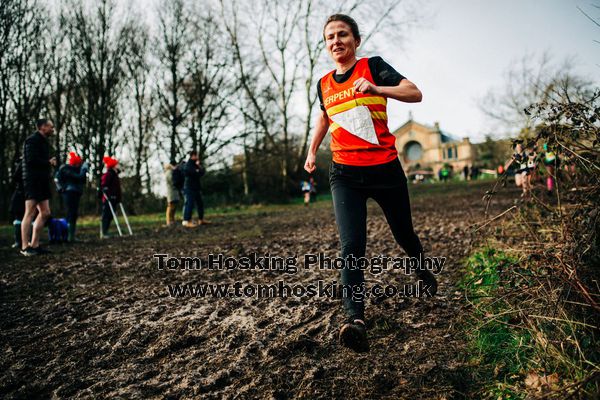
(70, 181)
(110, 187)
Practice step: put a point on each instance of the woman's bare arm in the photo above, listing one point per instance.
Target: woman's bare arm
(321, 128)
(405, 91)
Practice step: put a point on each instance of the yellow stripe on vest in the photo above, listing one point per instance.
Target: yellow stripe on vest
(378, 114)
(354, 102)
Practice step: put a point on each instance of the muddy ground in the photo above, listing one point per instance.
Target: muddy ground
(95, 319)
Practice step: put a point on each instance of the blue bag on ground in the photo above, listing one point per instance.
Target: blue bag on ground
(58, 230)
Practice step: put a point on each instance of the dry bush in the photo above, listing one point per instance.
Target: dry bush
(548, 295)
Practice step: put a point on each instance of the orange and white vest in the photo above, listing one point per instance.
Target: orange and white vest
(357, 121)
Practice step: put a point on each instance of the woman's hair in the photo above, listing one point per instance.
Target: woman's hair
(346, 19)
(517, 142)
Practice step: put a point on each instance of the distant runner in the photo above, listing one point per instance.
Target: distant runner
(551, 163)
(521, 159)
(365, 161)
(305, 188)
(309, 190)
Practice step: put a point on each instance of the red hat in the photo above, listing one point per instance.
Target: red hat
(74, 159)
(110, 162)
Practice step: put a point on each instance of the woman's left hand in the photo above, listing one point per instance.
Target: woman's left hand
(362, 85)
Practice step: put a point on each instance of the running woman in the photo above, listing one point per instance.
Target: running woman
(305, 187)
(551, 163)
(521, 159)
(532, 163)
(365, 161)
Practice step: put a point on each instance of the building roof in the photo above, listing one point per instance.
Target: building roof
(446, 136)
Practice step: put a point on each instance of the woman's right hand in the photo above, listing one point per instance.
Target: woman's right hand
(309, 165)
(321, 127)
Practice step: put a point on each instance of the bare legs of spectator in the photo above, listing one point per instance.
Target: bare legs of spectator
(43, 209)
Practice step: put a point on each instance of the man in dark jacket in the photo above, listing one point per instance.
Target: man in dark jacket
(110, 187)
(71, 179)
(36, 183)
(193, 171)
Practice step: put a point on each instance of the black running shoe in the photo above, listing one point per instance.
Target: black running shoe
(354, 336)
(40, 250)
(29, 252)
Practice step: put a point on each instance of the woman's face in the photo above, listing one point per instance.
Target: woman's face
(340, 41)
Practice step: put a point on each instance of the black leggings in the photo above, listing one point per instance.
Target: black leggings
(351, 186)
(71, 200)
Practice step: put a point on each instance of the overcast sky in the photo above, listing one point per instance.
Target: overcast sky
(470, 45)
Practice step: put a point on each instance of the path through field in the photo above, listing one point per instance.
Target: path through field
(96, 320)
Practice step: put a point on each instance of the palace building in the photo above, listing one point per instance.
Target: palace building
(425, 149)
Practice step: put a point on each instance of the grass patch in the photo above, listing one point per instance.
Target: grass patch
(521, 340)
(499, 349)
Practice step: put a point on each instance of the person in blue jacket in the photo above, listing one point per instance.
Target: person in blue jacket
(70, 180)
(193, 171)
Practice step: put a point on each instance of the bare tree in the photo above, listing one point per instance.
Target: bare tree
(58, 100)
(8, 14)
(29, 72)
(259, 97)
(207, 88)
(532, 80)
(24, 55)
(99, 45)
(276, 29)
(172, 50)
(142, 102)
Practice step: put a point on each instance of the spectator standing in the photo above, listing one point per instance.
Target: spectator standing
(110, 188)
(174, 178)
(71, 180)
(474, 172)
(36, 183)
(191, 188)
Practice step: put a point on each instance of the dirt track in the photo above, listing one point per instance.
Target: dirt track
(95, 319)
